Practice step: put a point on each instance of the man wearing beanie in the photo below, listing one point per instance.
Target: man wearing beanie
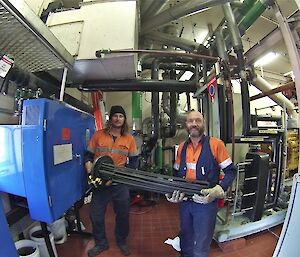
(113, 141)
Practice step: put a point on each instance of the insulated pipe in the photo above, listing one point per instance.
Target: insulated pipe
(238, 48)
(246, 6)
(178, 11)
(244, 93)
(145, 5)
(171, 66)
(154, 8)
(259, 7)
(136, 110)
(278, 98)
(221, 46)
(25, 79)
(181, 43)
(233, 28)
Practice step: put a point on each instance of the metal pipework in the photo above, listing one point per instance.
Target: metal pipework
(26, 79)
(136, 110)
(182, 43)
(178, 11)
(221, 46)
(100, 53)
(233, 28)
(154, 8)
(280, 99)
(137, 85)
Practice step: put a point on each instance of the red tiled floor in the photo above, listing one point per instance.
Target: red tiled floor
(150, 227)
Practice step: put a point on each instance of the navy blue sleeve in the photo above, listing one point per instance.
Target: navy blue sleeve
(133, 162)
(230, 174)
(88, 156)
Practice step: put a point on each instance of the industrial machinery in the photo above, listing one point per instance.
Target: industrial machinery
(43, 157)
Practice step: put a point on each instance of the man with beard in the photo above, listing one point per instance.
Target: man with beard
(200, 157)
(115, 142)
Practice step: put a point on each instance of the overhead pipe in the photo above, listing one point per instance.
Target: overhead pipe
(178, 11)
(137, 85)
(245, 16)
(28, 80)
(280, 99)
(184, 44)
(145, 5)
(161, 53)
(252, 15)
(136, 110)
(232, 26)
(238, 48)
(279, 89)
(221, 46)
(154, 8)
(171, 66)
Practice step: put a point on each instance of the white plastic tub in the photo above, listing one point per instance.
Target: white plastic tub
(35, 235)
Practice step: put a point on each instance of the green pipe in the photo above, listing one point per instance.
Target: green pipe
(136, 110)
(246, 6)
(252, 15)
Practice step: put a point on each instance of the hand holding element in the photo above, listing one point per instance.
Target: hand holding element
(209, 195)
(176, 197)
(98, 182)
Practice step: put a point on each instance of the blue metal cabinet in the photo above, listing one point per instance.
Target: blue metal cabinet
(11, 170)
(7, 248)
(54, 137)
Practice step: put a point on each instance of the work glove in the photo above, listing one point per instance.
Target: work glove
(176, 196)
(98, 182)
(209, 195)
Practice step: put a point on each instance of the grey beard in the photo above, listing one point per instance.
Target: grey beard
(199, 134)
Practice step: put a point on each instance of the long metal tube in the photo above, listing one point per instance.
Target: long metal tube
(99, 53)
(233, 28)
(279, 89)
(136, 110)
(280, 99)
(259, 7)
(155, 7)
(179, 11)
(182, 43)
(145, 5)
(155, 102)
(221, 46)
(137, 85)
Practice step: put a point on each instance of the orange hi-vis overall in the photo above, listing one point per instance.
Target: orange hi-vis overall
(102, 143)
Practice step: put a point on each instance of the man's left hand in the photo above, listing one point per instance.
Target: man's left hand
(209, 195)
(176, 196)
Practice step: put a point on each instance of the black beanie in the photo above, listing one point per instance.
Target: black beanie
(116, 109)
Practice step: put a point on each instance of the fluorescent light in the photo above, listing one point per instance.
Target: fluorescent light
(266, 59)
(290, 74)
(186, 76)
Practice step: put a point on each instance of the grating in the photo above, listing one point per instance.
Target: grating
(28, 40)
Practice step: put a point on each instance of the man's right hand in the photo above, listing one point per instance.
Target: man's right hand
(176, 197)
(88, 166)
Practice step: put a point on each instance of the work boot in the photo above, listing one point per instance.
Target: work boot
(124, 249)
(97, 249)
